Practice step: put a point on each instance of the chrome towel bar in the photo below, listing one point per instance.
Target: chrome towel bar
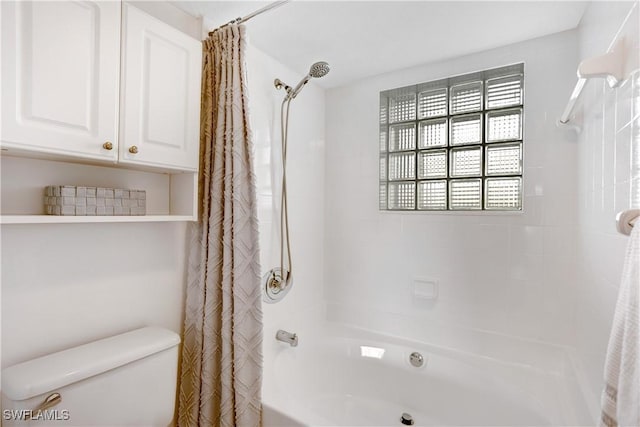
(611, 66)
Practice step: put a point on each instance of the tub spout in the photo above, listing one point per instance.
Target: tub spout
(288, 337)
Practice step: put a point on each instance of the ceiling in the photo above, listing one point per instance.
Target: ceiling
(365, 38)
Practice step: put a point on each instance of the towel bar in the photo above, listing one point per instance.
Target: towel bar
(610, 66)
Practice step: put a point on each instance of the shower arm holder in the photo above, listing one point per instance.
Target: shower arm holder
(279, 84)
(610, 66)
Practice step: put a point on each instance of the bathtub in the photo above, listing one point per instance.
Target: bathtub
(349, 377)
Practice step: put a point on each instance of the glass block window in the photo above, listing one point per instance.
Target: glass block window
(402, 166)
(466, 129)
(402, 107)
(466, 97)
(402, 195)
(432, 103)
(402, 137)
(432, 164)
(466, 194)
(432, 195)
(454, 144)
(433, 133)
(466, 162)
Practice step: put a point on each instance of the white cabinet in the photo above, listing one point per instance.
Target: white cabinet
(160, 102)
(60, 71)
(97, 82)
(75, 85)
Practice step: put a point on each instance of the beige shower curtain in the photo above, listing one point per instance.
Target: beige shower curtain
(222, 350)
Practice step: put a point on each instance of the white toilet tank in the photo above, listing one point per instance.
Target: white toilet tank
(125, 380)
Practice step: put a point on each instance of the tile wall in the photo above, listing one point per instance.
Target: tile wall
(608, 167)
(509, 274)
(303, 305)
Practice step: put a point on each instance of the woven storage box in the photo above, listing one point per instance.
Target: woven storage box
(80, 201)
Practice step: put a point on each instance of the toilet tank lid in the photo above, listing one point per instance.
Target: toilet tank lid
(56, 370)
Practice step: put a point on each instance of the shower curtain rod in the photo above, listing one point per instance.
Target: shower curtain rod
(242, 19)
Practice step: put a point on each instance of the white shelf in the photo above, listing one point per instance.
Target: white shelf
(55, 219)
(170, 197)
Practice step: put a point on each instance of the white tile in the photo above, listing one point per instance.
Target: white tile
(623, 155)
(525, 266)
(624, 104)
(635, 95)
(560, 179)
(560, 209)
(534, 151)
(634, 202)
(635, 148)
(608, 157)
(609, 203)
(599, 141)
(526, 239)
(604, 164)
(561, 243)
(622, 197)
(532, 212)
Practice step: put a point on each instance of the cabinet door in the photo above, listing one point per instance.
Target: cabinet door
(60, 76)
(160, 99)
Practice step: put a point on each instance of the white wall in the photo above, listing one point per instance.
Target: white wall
(609, 181)
(508, 274)
(303, 305)
(67, 284)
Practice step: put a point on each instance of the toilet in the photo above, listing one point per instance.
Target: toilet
(125, 380)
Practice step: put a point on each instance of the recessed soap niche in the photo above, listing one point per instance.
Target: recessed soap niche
(425, 289)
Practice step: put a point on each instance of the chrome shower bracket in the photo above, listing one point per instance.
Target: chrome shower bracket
(279, 84)
(275, 286)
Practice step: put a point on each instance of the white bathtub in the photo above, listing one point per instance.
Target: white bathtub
(349, 377)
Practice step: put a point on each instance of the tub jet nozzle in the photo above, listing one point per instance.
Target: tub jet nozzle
(406, 419)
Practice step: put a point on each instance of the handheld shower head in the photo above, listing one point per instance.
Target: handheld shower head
(317, 70)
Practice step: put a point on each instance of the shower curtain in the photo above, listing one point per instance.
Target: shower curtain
(222, 350)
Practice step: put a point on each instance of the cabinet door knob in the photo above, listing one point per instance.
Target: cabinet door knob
(107, 146)
(133, 149)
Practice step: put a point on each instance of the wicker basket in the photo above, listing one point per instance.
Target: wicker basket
(80, 201)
